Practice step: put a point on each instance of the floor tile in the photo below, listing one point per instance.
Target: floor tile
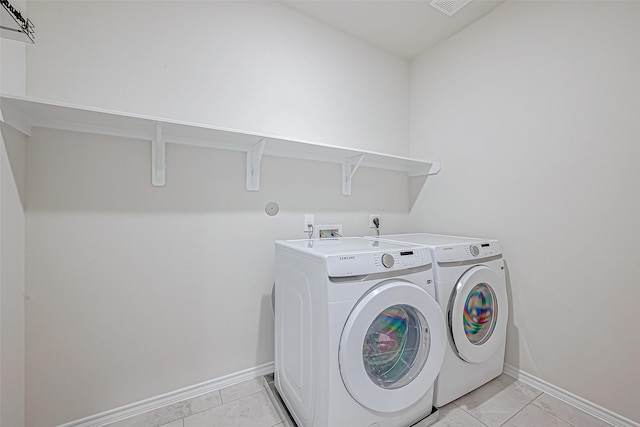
(532, 416)
(166, 415)
(157, 417)
(503, 402)
(498, 400)
(453, 416)
(254, 410)
(204, 402)
(242, 389)
(568, 413)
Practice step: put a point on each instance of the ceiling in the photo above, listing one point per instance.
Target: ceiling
(404, 27)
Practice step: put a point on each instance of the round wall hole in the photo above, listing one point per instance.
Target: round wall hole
(272, 208)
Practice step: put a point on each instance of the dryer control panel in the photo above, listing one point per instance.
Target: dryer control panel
(468, 251)
(357, 264)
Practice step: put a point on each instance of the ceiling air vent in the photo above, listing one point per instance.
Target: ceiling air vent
(13, 25)
(449, 7)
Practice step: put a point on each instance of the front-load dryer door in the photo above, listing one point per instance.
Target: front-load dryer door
(392, 346)
(477, 314)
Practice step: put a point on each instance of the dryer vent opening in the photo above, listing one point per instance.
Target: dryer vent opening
(449, 7)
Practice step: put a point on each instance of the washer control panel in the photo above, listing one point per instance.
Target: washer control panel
(356, 264)
(468, 251)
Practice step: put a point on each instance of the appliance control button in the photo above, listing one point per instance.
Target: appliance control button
(475, 251)
(387, 260)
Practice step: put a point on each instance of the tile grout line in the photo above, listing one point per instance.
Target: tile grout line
(521, 409)
(527, 404)
(197, 412)
(222, 402)
(231, 401)
(470, 414)
(240, 397)
(517, 412)
(507, 420)
(556, 416)
(602, 414)
(264, 384)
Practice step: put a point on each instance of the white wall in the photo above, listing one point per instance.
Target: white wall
(12, 67)
(136, 291)
(534, 113)
(12, 226)
(244, 65)
(12, 278)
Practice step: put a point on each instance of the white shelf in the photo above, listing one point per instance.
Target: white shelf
(26, 113)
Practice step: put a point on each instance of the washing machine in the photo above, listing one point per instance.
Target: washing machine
(359, 336)
(471, 290)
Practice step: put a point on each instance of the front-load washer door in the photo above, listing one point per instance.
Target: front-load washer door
(392, 346)
(477, 314)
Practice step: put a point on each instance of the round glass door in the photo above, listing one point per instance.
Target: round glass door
(392, 346)
(478, 314)
(396, 346)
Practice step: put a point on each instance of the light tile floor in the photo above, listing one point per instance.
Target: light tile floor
(508, 402)
(502, 402)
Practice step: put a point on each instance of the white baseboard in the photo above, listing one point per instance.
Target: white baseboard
(170, 398)
(570, 398)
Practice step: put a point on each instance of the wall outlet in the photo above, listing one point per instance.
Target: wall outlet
(308, 222)
(330, 231)
(371, 218)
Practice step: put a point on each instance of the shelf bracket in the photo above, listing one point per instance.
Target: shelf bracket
(349, 168)
(158, 158)
(254, 159)
(15, 118)
(434, 169)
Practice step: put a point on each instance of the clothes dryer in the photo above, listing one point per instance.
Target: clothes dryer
(359, 337)
(471, 290)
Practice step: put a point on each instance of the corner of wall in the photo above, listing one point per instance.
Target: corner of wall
(13, 67)
(12, 289)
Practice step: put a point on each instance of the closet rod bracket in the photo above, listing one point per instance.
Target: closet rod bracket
(254, 160)
(158, 158)
(349, 168)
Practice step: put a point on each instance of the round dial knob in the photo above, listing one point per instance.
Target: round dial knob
(387, 260)
(474, 250)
